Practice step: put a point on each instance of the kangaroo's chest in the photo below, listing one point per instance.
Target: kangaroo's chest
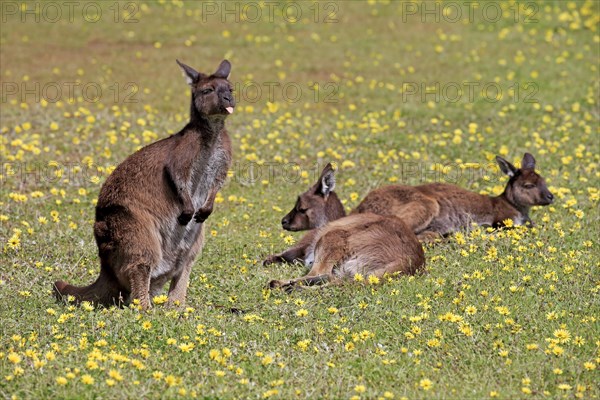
(208, 171)
(180, 242)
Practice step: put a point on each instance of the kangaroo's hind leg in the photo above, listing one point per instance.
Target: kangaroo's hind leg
(330, 251)
(137, 253)
(138, 274)
(418, 214)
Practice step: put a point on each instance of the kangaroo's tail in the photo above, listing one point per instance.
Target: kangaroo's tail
(104, 291)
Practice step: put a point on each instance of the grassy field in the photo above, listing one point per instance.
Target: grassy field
(393, 92)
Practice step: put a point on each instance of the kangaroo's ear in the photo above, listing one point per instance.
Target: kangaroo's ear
(326, 182)
(224, 70)
(191, 75)
(528, 162)
(506, 167)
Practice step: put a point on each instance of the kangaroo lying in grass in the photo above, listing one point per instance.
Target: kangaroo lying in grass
(143, 225)
(338, 246)
(436, 209)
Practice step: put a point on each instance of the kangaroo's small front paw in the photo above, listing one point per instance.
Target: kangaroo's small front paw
(185, 217)
(202, 215)
(275, 284)
(272, 259)
(287, 286)
(290, 287)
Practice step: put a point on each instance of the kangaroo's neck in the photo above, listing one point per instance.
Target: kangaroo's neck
(504, 207)
(334, 209)
(208, 126)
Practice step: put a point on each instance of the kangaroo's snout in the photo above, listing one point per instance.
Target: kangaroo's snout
(228, 102)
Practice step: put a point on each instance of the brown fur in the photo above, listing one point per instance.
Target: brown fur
(313, 209)
(143, 226)
(436, 209)
(338, 247)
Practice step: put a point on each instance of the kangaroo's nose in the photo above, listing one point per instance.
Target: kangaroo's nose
(550, 196)
(285, 221)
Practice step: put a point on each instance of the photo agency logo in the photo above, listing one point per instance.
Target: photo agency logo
(471, 11)
(289, 92)
(15, 174)
(416, 173)
(290, 12)
(469, 92)
(51, 12)
(69, 92)
(250, 173)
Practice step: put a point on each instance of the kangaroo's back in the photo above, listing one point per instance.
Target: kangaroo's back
(139, 180)
(408, 203)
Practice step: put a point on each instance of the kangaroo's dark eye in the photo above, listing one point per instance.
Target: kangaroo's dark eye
(207, 91)
(302, 210)
(529, 186)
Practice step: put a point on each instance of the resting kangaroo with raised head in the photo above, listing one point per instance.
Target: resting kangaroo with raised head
(339, 246)
(436, 209)
(313, 209)
(143, 226)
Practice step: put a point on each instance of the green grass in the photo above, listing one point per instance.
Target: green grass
(483, 322)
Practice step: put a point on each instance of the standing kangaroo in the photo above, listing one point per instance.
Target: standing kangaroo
(339, 246)
(143, 226)
(436, 209)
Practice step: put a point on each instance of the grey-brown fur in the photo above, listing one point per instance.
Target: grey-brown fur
(144, 228)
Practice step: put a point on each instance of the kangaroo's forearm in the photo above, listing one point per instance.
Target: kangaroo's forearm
(178, 185)
(210, 199)
(296, 253)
